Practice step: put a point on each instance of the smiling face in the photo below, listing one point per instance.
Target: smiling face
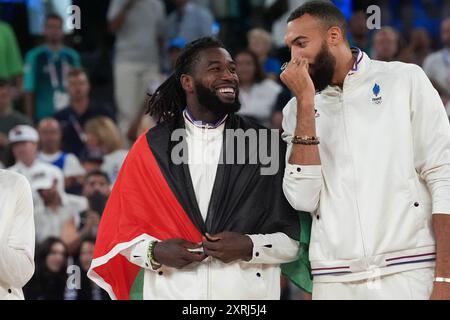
(214, 82)
(308, 39)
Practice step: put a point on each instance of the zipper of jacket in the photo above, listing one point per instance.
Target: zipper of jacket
(341, 100)
(205, 166)
(208, 279)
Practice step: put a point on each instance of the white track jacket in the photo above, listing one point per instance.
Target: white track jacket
(385, 168)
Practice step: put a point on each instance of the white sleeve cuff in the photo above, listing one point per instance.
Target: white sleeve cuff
(303, 171)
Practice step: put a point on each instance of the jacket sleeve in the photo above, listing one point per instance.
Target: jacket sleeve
(431, 135)
(274, 248)
(301, 183)
(137, 254)
(17, 252)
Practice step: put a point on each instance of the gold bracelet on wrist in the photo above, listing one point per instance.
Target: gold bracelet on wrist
(442, 279)
(305, 140)
(151, 255)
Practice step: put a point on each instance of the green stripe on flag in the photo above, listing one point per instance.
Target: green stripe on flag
(299, 271)
(137, 289)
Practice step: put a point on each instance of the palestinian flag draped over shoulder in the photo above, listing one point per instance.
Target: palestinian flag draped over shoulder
(139, 190)
(154, 197)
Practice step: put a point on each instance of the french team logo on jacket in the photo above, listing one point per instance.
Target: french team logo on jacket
(376, 99)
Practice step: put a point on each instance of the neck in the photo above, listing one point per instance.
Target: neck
(54, 47)
(28, 162)
(80, 105)
(49, 150)
(344, 63)
(200, 113)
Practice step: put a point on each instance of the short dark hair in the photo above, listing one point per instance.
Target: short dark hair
(53, 16)
(328, 14)
(97, 173)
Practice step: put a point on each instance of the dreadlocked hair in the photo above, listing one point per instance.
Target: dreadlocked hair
(169, 99)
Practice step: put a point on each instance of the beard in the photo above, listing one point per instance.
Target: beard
(211, 101)
(322, 70)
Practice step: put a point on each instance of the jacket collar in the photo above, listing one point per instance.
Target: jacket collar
(356, 73)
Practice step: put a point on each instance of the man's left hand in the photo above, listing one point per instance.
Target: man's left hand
(228, 246)
(441, 291)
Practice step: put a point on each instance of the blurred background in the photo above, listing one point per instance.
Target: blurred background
(75, 76)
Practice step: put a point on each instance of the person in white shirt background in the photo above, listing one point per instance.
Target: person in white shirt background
(437, 64)
(258, 94)
(369, 157)
(50, 135)
(53, 206)
(16, 235)
(24, 141)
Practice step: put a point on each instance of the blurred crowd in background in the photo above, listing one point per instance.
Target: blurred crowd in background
(72, 101)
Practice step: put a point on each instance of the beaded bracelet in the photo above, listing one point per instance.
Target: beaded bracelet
(150, 255)
(305, 140)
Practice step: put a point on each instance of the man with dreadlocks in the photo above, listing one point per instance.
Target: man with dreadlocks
(193, 229)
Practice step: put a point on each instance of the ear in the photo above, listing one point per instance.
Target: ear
(187, 83)
(335, 36)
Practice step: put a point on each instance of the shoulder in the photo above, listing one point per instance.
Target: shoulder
(395, 69)
(34, 53)
(71, 52)
(10, 178)
(433, 57)
(43, 166)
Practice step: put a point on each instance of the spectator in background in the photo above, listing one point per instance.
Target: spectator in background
(437, 65)
(50, 152)
(278, 11)
(139, 29)
(24, 140)
(385, 44)
(189, 21)
(102, 135)
(96, 189)
(91, 161)
(418, 49)
(80, 109)
(260, 42)
(256, 93)
(9, 118)
(11, 65)
(174, 48)
(358, 33)
(277, 113)
(88, 289)
(49, 280)
(46, 72)
(53, 207)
